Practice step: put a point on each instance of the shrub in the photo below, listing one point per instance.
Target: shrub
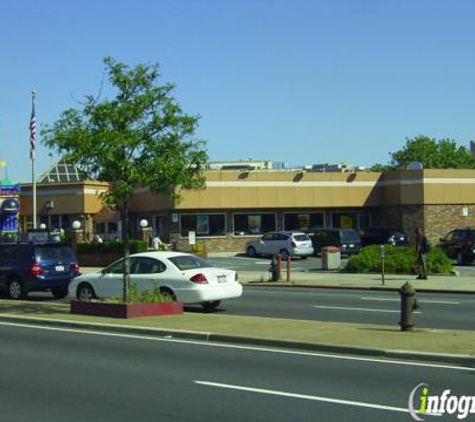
(398, 260)
(114, 247)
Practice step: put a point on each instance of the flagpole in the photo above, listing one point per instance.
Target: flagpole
(32, 153)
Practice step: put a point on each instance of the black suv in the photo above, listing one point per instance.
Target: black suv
(459, 244)
(29, 267)
(346, 239)
(383, 236)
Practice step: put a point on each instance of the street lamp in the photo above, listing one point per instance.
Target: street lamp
(75, 225)
(42, 226)
(143, 223)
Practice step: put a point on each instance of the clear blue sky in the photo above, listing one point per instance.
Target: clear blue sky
(299, 81)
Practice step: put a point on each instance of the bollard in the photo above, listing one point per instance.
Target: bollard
(273, 269)
(288, 267)
(408, 306)
(279, 267)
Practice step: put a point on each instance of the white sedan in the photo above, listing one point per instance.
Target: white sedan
(180, 276)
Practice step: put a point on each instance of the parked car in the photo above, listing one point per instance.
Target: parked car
(29, 267)
(459, 244)
(180, 276)
(285, 243)
(383, 236)
(346, 239)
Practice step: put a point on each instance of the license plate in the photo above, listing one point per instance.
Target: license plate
(59, 267)
(222, 279)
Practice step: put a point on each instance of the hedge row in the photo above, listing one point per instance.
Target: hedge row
(398, 260)
(112, 247)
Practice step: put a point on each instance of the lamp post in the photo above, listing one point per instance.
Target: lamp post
(76, 225)
(143, 223)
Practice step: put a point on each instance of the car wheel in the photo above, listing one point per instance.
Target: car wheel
(59, 292)
(284, 254)
(85, 292)
(167, 295)
(211, 305)
(459, 258)
(251, 252)
(16, 290)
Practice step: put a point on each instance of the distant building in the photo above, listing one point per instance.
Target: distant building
(336, 168)
(244, 165)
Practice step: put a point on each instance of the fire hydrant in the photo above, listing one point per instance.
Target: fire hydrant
(408, 306)
(274, 273)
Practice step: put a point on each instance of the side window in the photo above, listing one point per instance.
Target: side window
(282, 237)
(116, 268)
(148, 266)
(267, 237)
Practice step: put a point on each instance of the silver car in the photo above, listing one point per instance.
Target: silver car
(286, 243)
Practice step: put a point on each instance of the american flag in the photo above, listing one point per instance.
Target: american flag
(32, 130)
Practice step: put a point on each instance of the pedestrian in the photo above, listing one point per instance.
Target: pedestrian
(422, 247)
(156, 242)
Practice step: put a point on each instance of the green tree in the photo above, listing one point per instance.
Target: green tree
(138, 137)
(431, 153)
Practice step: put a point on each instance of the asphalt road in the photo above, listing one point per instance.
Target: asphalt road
(444, 311)
(61, 375)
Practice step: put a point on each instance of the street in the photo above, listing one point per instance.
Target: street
(444, 311)
(59, 374)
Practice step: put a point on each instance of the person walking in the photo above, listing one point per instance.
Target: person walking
(422, 247)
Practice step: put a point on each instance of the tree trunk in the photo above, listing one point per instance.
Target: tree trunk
(126, 236)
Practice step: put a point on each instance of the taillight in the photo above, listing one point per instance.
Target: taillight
(35, 269)
(199, 278)
(468, 240)
(75, 268)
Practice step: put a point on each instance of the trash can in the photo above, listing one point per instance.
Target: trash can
(331, 258)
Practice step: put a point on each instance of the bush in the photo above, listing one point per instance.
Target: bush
(114, 247)
(399, 260)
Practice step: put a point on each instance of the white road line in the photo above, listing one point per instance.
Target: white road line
(344, 308)
(442, 302)
(303, 396)
(170, 339)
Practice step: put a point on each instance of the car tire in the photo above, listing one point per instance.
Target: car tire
(167, 295)
(459, 258)
(251, 252)
(211, 305)
(284, 254)
(85, 292)
(16, 291)
(59, 292)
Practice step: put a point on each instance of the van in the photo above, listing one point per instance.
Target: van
(346, 239)
(29, 267)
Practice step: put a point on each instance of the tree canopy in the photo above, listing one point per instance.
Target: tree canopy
(138, 137)
(431, 153)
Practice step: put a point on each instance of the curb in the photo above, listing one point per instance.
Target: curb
(374, 288)
(461, 360)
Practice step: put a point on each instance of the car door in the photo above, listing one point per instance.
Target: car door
(111, 281)
(267, 244)
(146, 273)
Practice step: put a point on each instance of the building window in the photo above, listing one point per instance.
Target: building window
(253, 223)
(350, 220)
(303, 221)
(203, 224)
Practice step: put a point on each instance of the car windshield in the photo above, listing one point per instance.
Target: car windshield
(44, 253)
(301, 237)
(188, 262)
(349, 236)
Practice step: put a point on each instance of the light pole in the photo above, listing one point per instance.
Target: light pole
(144, 226)
(76, 225)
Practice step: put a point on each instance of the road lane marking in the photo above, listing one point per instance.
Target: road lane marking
(304, 396)
(442, 302)
(345, 308)
(169, 338)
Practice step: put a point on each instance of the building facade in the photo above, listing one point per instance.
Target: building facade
(236, 206)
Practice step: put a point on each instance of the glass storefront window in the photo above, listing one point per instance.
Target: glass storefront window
(203, 224)
(303, 221)
(253, 223)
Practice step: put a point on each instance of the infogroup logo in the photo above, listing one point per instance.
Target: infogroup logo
(421, 403)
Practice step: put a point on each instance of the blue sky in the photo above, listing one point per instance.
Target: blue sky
(301, 81)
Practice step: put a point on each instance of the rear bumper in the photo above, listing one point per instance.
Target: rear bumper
(209, 293)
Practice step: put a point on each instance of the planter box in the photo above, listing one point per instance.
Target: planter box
(125, 310)
(97, 259)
